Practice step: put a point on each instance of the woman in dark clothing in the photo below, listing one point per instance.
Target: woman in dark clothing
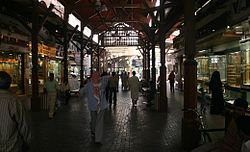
(217, 102)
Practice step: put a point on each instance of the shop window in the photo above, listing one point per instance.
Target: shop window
(246, 67)
(54, 66)
(11, 63)
(233, 69)
(202, 69)
(218, 63)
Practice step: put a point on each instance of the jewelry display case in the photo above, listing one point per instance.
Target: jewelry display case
(233, 69)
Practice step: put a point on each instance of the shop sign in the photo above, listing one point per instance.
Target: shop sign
(46, 50)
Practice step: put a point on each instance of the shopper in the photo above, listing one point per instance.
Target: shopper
(105, 78)
(125, 81)
(50, 88)
(217, 101)
(134, 85)
(171, 78)
(94, 90)
(112, 83)
(15, 132)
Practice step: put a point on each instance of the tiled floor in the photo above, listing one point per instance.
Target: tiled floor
(127, 129)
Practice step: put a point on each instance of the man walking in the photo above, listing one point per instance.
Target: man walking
(112, 82)
(171, 78)
(51, 87)
(134, 86)
(94, 90)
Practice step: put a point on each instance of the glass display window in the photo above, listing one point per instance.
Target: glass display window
(11, 63)
(218, 63)
(40, 69)
(54, 66)
(74, 70)
(246, 66)
(202, 69)
(233, 69)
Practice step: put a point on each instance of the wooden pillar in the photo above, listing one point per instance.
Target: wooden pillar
(148, 61)
(98, 59)
(163, 91)
(180, 73)
(189, 125)
(144, 63)
(22, 82)
(153, 68)
(81, 56)
(35, 101)
(91, 58)
(65, 46)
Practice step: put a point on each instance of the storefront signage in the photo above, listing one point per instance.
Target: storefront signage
(45, 50)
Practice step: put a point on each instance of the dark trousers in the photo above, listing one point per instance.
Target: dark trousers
(107, 93)
(171, 86)
(112, 92)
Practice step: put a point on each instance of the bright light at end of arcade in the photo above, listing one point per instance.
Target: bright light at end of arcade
(176, 33)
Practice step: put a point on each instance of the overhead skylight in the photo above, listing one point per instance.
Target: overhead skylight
(86, 31)
(74, 21)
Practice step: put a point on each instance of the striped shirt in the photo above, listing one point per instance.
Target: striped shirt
(14, 129)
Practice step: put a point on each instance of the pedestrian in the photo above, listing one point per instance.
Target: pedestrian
(94, 90)
(134, 85)
(125, 81)
(215, 86)
(117, 81)
(122, 80)
(50, 88)
(105, 78)
(112, 83)
(15, 134)
(171, 78)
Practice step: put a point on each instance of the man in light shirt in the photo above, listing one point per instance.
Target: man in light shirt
(15, 132)
(51, 87)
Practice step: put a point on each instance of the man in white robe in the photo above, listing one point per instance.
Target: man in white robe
(134, 85)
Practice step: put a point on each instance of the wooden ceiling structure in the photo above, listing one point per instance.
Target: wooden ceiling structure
(102, 15)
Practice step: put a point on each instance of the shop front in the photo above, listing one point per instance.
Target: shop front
(238, 68)
(12, 54)
(11, 63)
(206, 66)
(48, 62)
(55, 66)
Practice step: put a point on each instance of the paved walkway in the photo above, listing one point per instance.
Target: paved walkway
(127, 129)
